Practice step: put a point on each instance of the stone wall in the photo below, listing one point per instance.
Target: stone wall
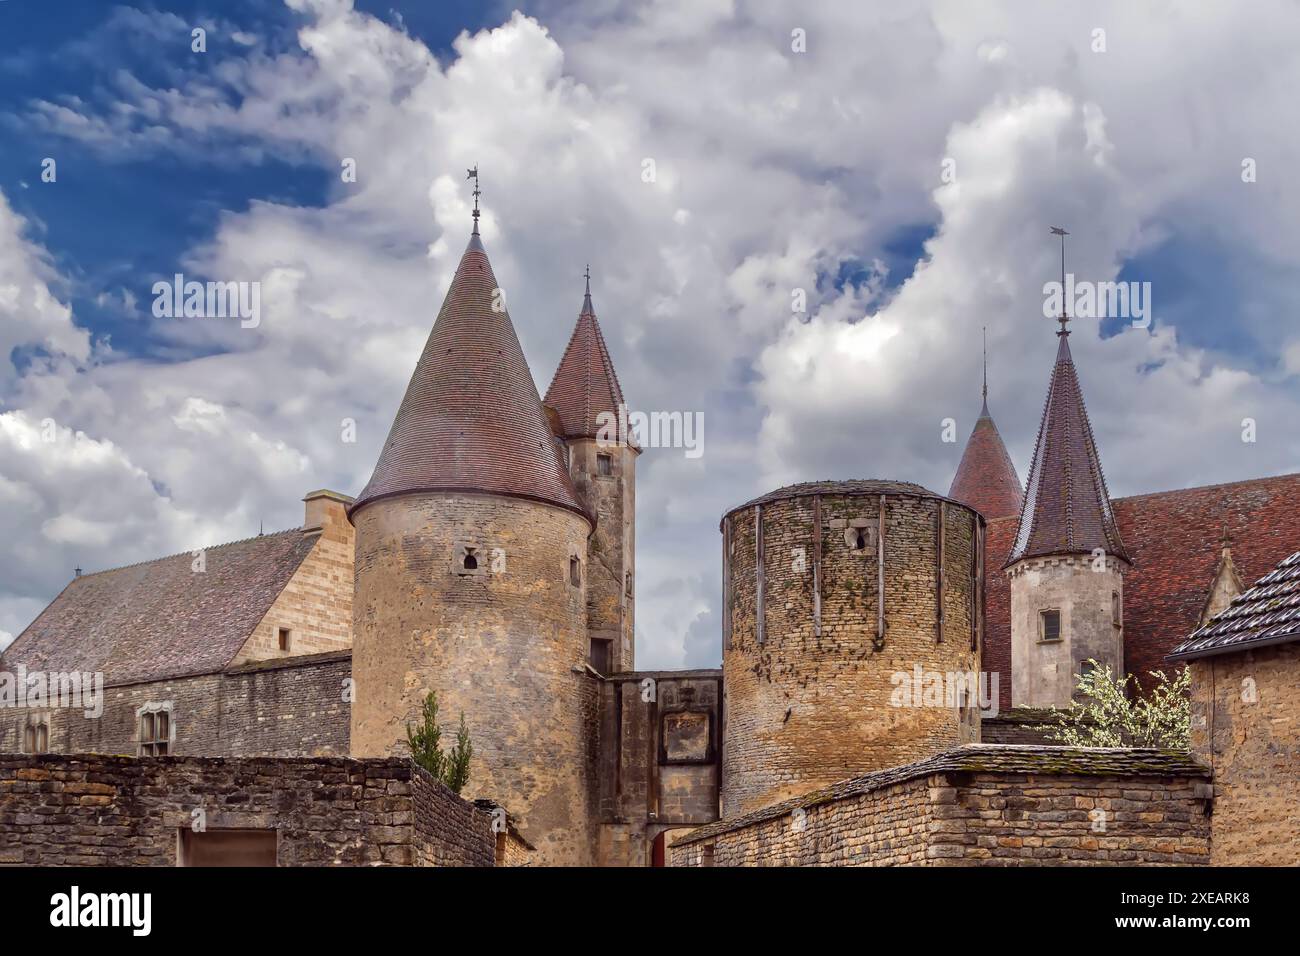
(1044, 672)
(981, 805)
(287, 707)
(1020, 725)
(316, 605)
(660, 735)
(806, 705)
(1245, 725)
(612, 548)
(504, 643)
(99, 810)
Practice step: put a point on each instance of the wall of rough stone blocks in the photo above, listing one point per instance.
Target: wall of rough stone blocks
(649, 784)
(506, 645)
(316, 604)
(290, 707)
(612, 548)
(100, 810)
(804, 710)
(1245, 725)
(979, 819)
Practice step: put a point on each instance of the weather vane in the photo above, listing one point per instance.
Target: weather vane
(587, 274)
(473, 174)
(1058, 231)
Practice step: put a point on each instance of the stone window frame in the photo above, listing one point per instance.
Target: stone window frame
(284, 638)
(604, 461)
(38, 724)
(574, 576)
(464, 549)
(152, 709)
(1042, 625)
(1116, 609)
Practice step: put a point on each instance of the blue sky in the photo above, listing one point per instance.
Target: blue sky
(777, 170)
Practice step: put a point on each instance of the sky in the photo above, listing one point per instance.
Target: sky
(799, 218)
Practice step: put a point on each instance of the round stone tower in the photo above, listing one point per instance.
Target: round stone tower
(471, 570)
(852, 622)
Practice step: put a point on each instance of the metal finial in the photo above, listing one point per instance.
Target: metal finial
(587, 274)
(1058, 231)
(986, 365)
(473, 174)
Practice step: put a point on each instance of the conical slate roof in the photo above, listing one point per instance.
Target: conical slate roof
(1067, 508)
(585, 384)
(986, 479)
(471, 420)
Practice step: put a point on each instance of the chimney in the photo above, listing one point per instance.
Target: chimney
(325, 510)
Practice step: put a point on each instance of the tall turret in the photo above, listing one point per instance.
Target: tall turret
(986, 479)
(471, 575)
(1067, 564)
(586, 405)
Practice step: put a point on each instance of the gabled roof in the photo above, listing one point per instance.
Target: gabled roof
(986, 479)
(1067, 508)
(1268, 613)
(162, 619)
(471, 419)
(585, 384)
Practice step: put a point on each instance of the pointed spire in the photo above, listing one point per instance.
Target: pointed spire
(585, 384)
(471, 419)
(1067, 508)
(986, 478)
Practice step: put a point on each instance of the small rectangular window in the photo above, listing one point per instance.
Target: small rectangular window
(285, 639)
(1049, 625)
(575, 572)
(604, 465)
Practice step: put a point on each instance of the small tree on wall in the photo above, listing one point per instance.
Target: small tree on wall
(425, 742)
(1108, 716)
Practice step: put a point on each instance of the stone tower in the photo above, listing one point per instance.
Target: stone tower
(851, 633)
(583, 402)
(471, 573)
(1067, 564)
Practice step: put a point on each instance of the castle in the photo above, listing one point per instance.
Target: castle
(266, 685)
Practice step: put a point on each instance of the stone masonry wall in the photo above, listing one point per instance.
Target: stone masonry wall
(803, 711)
(98, 810)
(505, 644)
(1044, 672)
(316, 605)
(612, 548)
(1246, 726)
(659, 759)
(1049, 806)
(292, 707)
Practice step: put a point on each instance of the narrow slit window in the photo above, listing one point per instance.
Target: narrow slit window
(285, 639)
(575, 572)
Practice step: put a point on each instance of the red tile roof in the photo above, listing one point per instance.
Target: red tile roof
(1067, 509)
(1174, 542)
(585, 384)
(986, 479)
(1268, 613)
(162, 619)
(471, 419)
